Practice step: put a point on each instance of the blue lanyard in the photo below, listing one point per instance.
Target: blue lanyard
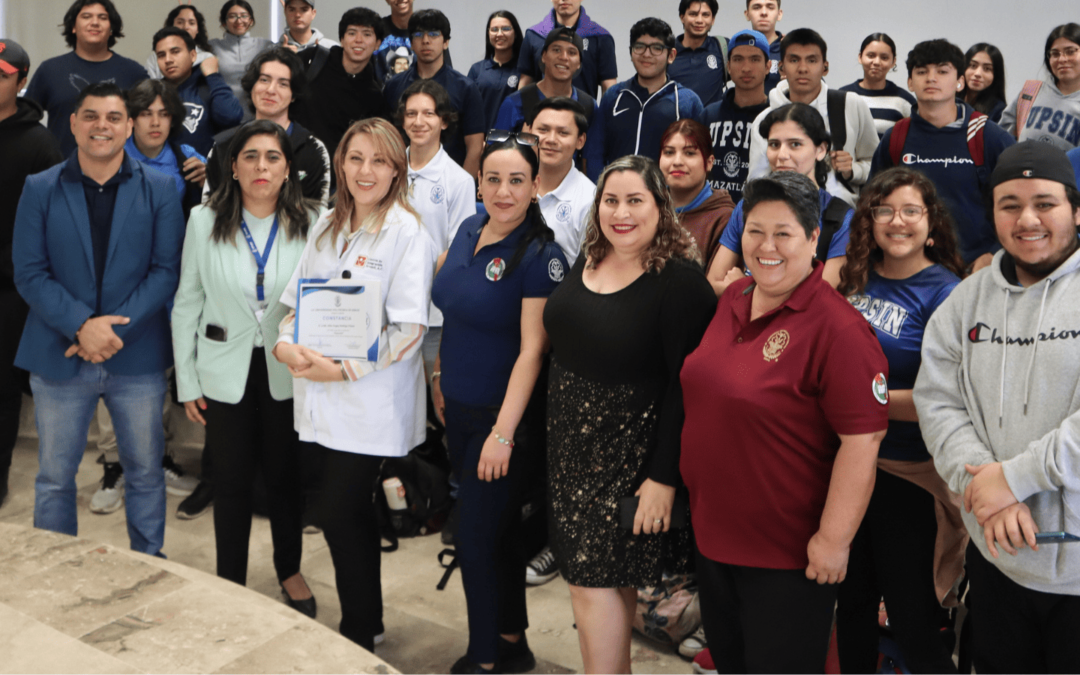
(260, 260)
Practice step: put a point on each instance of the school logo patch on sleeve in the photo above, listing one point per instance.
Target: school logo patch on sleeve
(881, 389)
(556, 270)
(495, 268)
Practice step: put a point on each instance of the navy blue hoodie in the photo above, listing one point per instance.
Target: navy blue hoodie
(206, 118)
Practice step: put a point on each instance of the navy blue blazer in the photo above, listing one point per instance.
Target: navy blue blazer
(54, 270)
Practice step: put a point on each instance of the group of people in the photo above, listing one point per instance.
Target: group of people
(757, 329)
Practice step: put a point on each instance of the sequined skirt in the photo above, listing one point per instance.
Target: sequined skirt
(600, 438)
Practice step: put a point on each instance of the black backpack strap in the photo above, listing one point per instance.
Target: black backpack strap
(832, 219)
(587, 102)
(835, 102)
(318, 60)
(530, 98)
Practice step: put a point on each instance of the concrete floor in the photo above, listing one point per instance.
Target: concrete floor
(426, 629)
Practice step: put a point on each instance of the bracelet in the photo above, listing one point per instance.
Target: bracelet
(500, 439)
(437, 373)
(344, 373)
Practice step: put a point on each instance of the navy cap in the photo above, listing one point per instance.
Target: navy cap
(749, 38)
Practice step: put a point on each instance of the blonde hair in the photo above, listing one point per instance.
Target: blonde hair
(388, 143)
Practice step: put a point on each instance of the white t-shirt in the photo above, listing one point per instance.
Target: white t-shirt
(444, 195)
(384, 412)
(566, 211)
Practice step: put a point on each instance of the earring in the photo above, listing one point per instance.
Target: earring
(535, 199)
(235, 177)
(479, 197)
(930, 242)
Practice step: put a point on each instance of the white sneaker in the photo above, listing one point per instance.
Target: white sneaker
(693, 644)
(177, 482)
(110, 496)
(542, 568)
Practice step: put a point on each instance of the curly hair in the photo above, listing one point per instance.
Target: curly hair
(116, 24)
(671, 240)
(863, 252)
(443, 107)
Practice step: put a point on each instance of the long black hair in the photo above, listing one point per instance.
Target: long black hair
(201, 41)
(1069, 31)
(489, 49)
(813, 125)
(986, 100)
(538, 232)
(293, 210)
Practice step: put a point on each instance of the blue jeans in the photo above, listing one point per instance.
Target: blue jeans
(63, 409)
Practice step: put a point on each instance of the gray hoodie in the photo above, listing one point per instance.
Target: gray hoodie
(989, 391)
(1054, 118)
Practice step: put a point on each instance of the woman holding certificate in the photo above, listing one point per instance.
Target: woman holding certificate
(492, 286)
(359, 383)
(239, 254)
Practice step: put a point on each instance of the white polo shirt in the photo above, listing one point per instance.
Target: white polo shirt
(566, 211)
(444, 195)
(384, 412)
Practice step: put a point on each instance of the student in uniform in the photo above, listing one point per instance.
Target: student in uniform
(492, 286)
(763, 16)
(700, 62)
(352, 414)
(888, 102)
(497, 76)
(226, 311)
(984, 80)
(730, 119)
(439, 190)
(236, 49)
(598, 68)
(185, 17)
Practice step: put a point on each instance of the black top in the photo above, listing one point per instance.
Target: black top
(638, 335)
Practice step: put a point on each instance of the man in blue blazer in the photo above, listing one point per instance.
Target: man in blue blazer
(96, 251)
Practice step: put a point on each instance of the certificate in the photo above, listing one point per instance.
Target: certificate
(339, 318)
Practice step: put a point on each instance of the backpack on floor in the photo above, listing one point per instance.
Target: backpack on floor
(426, 483)
(670, 612)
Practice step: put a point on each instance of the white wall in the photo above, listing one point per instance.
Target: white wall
(1018, 29)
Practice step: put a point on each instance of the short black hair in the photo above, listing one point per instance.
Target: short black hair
(201, 39)
(653, 27)
(684, 5)
(749, 1)
(297, 75)
(429, 19)
(804, 37)
(793, 189)
(116, 24)
(933, 52)
(142, 96)
(173, 31)
(229, 4)
(443, 107)
(100, 90)
(561, 103)
(361, 16)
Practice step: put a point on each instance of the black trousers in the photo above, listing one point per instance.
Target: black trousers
(13, 380)
(763, 620)
(1018, 630)
(256, 432)
(490, 549)
(346, 512)
(892, 555)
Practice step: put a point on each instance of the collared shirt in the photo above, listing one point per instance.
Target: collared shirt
(777, 391)
(495, 83)
(100, 206)
(464, 98)
(597, 60)
(481, 305)
(700, 70)
(512, 111)
(773, 78)
(166, 162)
(566, 211)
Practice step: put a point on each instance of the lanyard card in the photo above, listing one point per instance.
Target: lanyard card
(339, 318)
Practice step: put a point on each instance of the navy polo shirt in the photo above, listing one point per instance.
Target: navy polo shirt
(495, 83)
(773, 78)
(481, 306)
(100, 205)
(701, 70)
(597, 60)
(512, 111)
(464, 97)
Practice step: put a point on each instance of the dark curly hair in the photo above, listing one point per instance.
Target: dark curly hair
(863, 251)
(443, 107)
(116, 24)
(297, 75)
(671, 240)
(201, 41)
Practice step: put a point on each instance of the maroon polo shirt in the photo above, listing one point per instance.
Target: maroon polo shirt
(765, 401)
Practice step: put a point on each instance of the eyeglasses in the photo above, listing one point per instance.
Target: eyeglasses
(910, 214)
(502, 135)
(656, 48)
(429, 33)
(1068, 53)
(237, 17)
(501, 29)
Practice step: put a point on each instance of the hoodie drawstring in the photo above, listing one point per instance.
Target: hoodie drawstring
(1035, 347)
(1004, 349)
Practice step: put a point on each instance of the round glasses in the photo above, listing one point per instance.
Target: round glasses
(910, 214)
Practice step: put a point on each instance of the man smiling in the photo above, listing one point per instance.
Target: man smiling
(598, 53)
(700, 59)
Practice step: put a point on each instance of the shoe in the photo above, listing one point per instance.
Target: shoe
(110, 496)
(306, 607)
(703, 662)
(514, 657)
(176, 481)
(308, 523)
(542, 568)
(197, 503)
(692, 645)
(464, 666)
(449, 530)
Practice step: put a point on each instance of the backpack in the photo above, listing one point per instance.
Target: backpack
(975, 141)
(836, 107)
(425, 476)
(314, 58)
(832, 219)
(1024, 103)
(722, 42)
(530, 98)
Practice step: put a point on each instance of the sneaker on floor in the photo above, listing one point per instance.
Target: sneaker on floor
(197, 503)
(692, 645)
(110, 496)
(514, 657)
(176, 481)
(542, 568)
(703, 662)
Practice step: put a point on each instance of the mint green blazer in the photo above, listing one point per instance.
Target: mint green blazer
(212, 278)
